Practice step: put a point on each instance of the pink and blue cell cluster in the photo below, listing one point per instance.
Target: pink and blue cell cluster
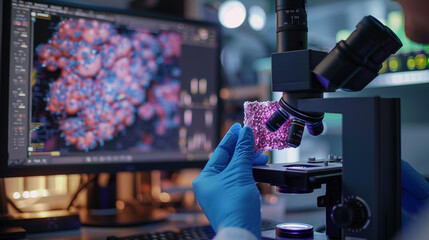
(107, 78)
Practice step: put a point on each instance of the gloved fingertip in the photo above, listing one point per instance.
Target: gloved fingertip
(247, 131)
(223, 152)
(235, 128)
(229, 141)
(245, 141)
(246, 134)
(413, 181)
(257, 154)
(231, 136)
(261, 160)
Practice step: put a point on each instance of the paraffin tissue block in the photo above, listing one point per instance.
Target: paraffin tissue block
(256, 114)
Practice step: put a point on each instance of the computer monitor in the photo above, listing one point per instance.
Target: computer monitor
(86, 89)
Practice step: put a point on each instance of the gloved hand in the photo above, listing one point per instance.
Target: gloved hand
(225, 189)
(415, 192)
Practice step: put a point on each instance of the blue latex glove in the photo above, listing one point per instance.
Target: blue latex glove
(415, 192)
(225, 189)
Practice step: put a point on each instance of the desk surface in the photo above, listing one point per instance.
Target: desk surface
(177, 220)
(274, 212)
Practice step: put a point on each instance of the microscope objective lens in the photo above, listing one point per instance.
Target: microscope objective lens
(296, 131)
(277, 120)
(314, 129)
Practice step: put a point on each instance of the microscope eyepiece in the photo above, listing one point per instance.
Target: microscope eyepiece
(355, 62)
(291, 25)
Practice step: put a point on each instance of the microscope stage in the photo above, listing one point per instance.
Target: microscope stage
(299, 176)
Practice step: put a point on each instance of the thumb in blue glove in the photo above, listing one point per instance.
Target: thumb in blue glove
(415, 192)
(225, 189)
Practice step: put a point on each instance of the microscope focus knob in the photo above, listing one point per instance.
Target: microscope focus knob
(352, 214)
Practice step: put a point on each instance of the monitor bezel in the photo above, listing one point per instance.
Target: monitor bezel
(25, 170)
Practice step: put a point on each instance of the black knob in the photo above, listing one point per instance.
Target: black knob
(352, 214)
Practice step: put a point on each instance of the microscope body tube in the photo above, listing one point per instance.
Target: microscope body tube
(292, 35)
(292, 30)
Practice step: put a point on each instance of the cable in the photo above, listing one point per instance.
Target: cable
(83, 186)
(13, 205)
(4, 199)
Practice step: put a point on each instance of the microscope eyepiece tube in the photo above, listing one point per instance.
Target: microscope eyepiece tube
(292, 27)
(292, 35)
(355, 62)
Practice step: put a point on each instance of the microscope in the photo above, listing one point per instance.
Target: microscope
(363, 187)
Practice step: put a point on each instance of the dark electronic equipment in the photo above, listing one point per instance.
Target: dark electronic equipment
(199, 232)
(363, 197)
(88, 89)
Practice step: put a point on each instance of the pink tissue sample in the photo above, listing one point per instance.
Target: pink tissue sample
(256, 114)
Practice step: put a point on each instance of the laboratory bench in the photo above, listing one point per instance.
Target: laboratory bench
(275, 213)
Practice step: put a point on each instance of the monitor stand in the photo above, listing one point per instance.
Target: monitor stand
(16, 225)
(103, 211)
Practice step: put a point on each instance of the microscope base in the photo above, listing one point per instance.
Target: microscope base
(271, 234)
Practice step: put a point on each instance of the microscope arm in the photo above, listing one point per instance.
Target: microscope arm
(371, 153)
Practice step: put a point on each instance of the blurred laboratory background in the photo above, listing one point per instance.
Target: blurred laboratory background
(249, 39)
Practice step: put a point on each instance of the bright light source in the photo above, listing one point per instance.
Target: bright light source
(16, 195)
(232, 14)
(342, 35)
(26, 194)
(44, 193)
(164, 197)
(257, 18)
(34, 194)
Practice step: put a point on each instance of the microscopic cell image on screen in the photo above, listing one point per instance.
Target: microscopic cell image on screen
(99, 86)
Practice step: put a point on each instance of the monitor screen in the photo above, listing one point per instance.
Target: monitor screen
(87, 89)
